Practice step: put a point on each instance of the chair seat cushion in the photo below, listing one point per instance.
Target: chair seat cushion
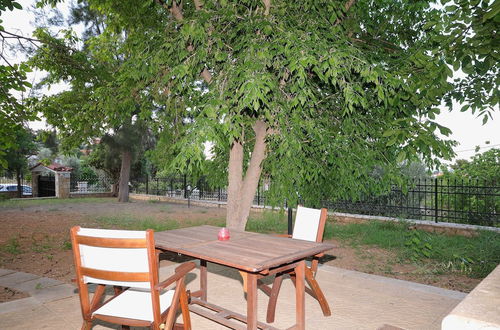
(135, 304)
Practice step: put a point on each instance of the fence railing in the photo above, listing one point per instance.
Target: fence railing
(90, 183)
(439, 200)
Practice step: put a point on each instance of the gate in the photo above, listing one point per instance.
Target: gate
(46, 185)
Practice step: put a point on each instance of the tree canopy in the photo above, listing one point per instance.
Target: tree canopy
(484, 167)
(313, 94)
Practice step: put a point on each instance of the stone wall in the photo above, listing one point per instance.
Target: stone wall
(480, 309)
(63, 181)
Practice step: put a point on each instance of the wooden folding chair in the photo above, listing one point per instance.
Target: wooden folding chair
(309, 225)
(127, 261)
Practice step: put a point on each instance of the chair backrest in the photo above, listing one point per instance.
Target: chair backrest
(309, 224)
(115, 257)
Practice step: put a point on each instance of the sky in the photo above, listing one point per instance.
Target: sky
(467, 129)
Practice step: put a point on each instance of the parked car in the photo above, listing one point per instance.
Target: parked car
(27, 191)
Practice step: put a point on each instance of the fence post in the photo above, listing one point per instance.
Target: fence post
(185, 187)
(147, 184)
(436, 200)
(290, 229)
(258, 194)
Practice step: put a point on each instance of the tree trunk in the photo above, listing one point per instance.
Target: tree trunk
(114, 189)
(241, 191)
(124, 176)
(18, 180)
(234, 185)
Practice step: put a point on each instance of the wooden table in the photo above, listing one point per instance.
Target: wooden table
(256, 255)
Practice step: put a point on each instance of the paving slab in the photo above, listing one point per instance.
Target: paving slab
(14, 279)
(357, 301)
(36, 284)
(4, 272)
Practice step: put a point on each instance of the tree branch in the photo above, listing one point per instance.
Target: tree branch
(3, 58)
(347, 6)
(267, 5)
(251, 180)
(198, 4)
(176, 11)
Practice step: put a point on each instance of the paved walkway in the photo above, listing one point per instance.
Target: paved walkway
(357, 301)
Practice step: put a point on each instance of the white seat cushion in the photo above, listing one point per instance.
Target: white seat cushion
(135, 304)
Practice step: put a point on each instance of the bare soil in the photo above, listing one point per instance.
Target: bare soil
(35, 240)
(7, 294)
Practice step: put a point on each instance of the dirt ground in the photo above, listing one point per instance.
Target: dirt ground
(35, 240)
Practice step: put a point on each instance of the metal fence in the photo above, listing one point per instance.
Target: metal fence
(89, 183)
(185, 187)
(439, 200)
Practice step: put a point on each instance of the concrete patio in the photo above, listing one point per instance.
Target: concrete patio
(357, 301)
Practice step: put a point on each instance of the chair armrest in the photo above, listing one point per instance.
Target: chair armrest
(180, 272)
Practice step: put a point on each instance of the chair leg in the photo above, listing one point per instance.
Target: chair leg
(87, 325)
(273, 298)
(318, 294)
(184, 302)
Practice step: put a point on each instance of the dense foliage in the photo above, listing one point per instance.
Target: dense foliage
(13, 113)
(315, 94)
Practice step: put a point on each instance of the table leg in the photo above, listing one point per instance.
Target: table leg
(251, 301)
(203, 279)
(300, 308)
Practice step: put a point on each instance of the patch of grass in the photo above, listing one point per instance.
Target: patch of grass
(474, 256)
(53, 201)
(277, 222)
(133, 223)
(12, 246)
(165, 208)
(66, 245)
(153, 201)
(386, 235)
(40, 247)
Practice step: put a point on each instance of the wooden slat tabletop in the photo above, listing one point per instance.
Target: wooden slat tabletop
(247, 251)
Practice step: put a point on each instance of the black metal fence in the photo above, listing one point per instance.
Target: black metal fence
(439, 200)
(185, 187)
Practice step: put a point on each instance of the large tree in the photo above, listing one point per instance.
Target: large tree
(315, 92)
(100, 99)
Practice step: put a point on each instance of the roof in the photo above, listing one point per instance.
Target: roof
(53, 167)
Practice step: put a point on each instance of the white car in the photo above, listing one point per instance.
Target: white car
(27, 191)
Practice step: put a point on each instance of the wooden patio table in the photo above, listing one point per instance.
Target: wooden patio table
(255, 255)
